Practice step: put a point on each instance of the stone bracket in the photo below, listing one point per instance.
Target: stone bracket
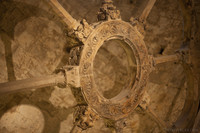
(72, 75)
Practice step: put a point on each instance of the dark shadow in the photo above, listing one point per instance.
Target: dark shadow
(161, 50)
(8, 56)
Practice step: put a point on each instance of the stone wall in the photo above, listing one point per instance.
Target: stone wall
(34, 42)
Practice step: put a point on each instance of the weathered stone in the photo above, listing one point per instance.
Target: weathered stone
(164, 35)
(22, 119)
(67, 125)
(62, 97)
(3, 68)
(37, 47)
(99, 127)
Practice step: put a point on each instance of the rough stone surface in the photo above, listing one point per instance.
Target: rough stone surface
(35, 43)
(89, 8)
(99, 127)
(38, 47)
(22, 119)
(3, 68)
(111, 69)
(164, 28)
(132, 123)
(67, 125)
(62, 97)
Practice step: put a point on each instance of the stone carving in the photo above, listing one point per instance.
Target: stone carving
(74, 56)
(140, 25)
(119, 30)
(84, 117)
(83, 30)
(108, 11)
(120, 124)
(145, 101)
(111, 27)
(73, 77)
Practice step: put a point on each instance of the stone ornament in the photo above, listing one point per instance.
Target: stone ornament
(79, 72)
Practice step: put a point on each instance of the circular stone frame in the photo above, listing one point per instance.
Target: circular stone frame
(121, 105)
